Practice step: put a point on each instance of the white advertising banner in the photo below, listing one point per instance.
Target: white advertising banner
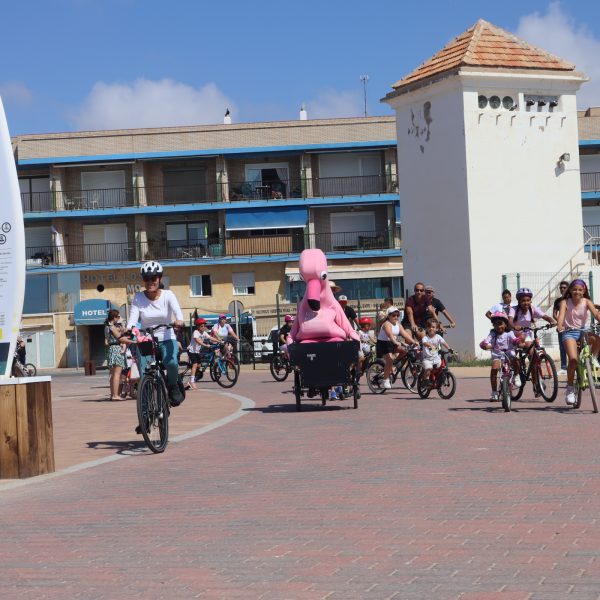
(12, 251)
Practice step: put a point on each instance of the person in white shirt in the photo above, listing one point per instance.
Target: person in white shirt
(502, 307)
(201, 342)
(431, 342)
(155, 306)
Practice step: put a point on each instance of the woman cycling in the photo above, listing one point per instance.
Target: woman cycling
(224, 332)
(155, 306)
(573, 314)
(388, 346)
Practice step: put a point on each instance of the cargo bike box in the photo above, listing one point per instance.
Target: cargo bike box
(322, 365)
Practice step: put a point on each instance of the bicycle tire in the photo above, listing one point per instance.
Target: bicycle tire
(548, 375)
(447, 385)
(225, 373)
(517, 392)
(375, 377)
(153, 413)
(30, 370)
(591, 383)
(422, 388)
(505, 394)
(410, 375)
(577, 388)
(279, 369)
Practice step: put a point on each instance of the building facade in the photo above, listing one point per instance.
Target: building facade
(226, 208)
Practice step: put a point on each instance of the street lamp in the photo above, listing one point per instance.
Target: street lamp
(365, 79)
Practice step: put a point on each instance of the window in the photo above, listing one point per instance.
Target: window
(200, 285)
(35, 193)
(104, 243)
(103, 189)
(347, 227)
(51, 293)
(187, 234)
(183, 186)
(268, 180)
(243, 284)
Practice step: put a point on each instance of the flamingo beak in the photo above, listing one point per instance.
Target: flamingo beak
(313, 294)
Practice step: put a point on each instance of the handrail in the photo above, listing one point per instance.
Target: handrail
(545, 296)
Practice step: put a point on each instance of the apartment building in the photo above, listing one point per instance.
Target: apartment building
(226, 208)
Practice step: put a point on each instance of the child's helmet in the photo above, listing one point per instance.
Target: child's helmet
(523, 292)
(499, 316)
(365, 321)
(200, 321)
(288, 318)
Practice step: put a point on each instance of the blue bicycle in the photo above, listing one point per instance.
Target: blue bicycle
(222, 369)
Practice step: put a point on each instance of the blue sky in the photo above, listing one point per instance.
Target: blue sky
(98, 64)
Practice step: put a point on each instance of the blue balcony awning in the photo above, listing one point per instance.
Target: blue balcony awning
(397, 208)
(265, 218)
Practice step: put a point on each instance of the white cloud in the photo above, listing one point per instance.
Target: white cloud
(335, 103)
(559, 34)
(145, 103)
(15, 91)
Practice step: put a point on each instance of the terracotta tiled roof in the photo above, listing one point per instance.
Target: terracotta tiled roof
(485, 45)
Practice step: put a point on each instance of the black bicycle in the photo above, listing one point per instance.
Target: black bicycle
(536, 365)
(408, 367)
(153, 403)
(280, 366)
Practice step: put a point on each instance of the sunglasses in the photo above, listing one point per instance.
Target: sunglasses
(419, 291)
(428, 292)
(153, 278)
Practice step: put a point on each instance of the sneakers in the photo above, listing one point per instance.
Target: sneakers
(333, 395)
(387, 384)
(193, 385)
(562, 372)
(595, 362)
(494, 397)
(175, 396)
(570, 396)
(517, 381)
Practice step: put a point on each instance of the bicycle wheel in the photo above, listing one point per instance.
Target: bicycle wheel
(153, 413)
(591, 383)
(225, 373)
(547, 379)
(446, 385)
(424, 387)
(517, 392)
(578, 386)
(30, 370)
(185, 373)
(375, 377)
(505, 394)
(279, 369)
(410, 374)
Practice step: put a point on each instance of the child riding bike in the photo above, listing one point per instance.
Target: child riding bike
(572, 317)
(523, 316)
(501, 341)
(367, 341)
(431, 343)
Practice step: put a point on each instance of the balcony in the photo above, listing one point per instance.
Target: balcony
(590, 182)
(40, 257)
(230, 192)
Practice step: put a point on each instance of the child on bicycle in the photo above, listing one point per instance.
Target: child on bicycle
(367, 340)
(431, 344)
(501, 341)
(522, 317)
(201, 342)
(572, 317)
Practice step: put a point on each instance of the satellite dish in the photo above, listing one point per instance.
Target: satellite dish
(235, 306)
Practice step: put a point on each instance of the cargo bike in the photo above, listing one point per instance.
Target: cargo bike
(320, 366)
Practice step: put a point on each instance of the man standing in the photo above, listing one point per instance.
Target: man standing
(348, 311)
(436, 306)
(416, 310)
(563, 286)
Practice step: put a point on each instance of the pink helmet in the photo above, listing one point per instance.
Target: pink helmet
(499, 316)
(288, 318)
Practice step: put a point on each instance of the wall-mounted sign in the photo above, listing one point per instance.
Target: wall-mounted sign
(91, 312)
(12, 251)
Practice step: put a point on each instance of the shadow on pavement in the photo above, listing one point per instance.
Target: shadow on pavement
(121, 447)
(291, 408)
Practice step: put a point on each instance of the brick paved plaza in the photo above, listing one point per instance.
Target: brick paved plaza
(403, 498)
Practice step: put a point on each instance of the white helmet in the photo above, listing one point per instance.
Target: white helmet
(151, 268)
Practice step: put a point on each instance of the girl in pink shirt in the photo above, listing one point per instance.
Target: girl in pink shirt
(572, 317)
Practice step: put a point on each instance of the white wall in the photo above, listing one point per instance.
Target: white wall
(433, 192)
(482, 193)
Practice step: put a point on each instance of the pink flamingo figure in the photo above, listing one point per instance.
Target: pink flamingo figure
(320, 317)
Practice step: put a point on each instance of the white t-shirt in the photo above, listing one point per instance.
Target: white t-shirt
(222, 331)
(165, 309)
(502, 308)
(431, 353)
(195, 347)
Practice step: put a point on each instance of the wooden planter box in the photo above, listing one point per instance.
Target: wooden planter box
(26, 435)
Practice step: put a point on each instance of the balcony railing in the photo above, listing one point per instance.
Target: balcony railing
(590, 182)
(231, 191)
(260, 245)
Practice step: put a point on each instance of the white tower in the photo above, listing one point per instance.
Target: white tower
(481, 129)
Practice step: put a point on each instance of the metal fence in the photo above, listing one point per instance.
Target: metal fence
(211, 247)
(590, 182)
(232, 191)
